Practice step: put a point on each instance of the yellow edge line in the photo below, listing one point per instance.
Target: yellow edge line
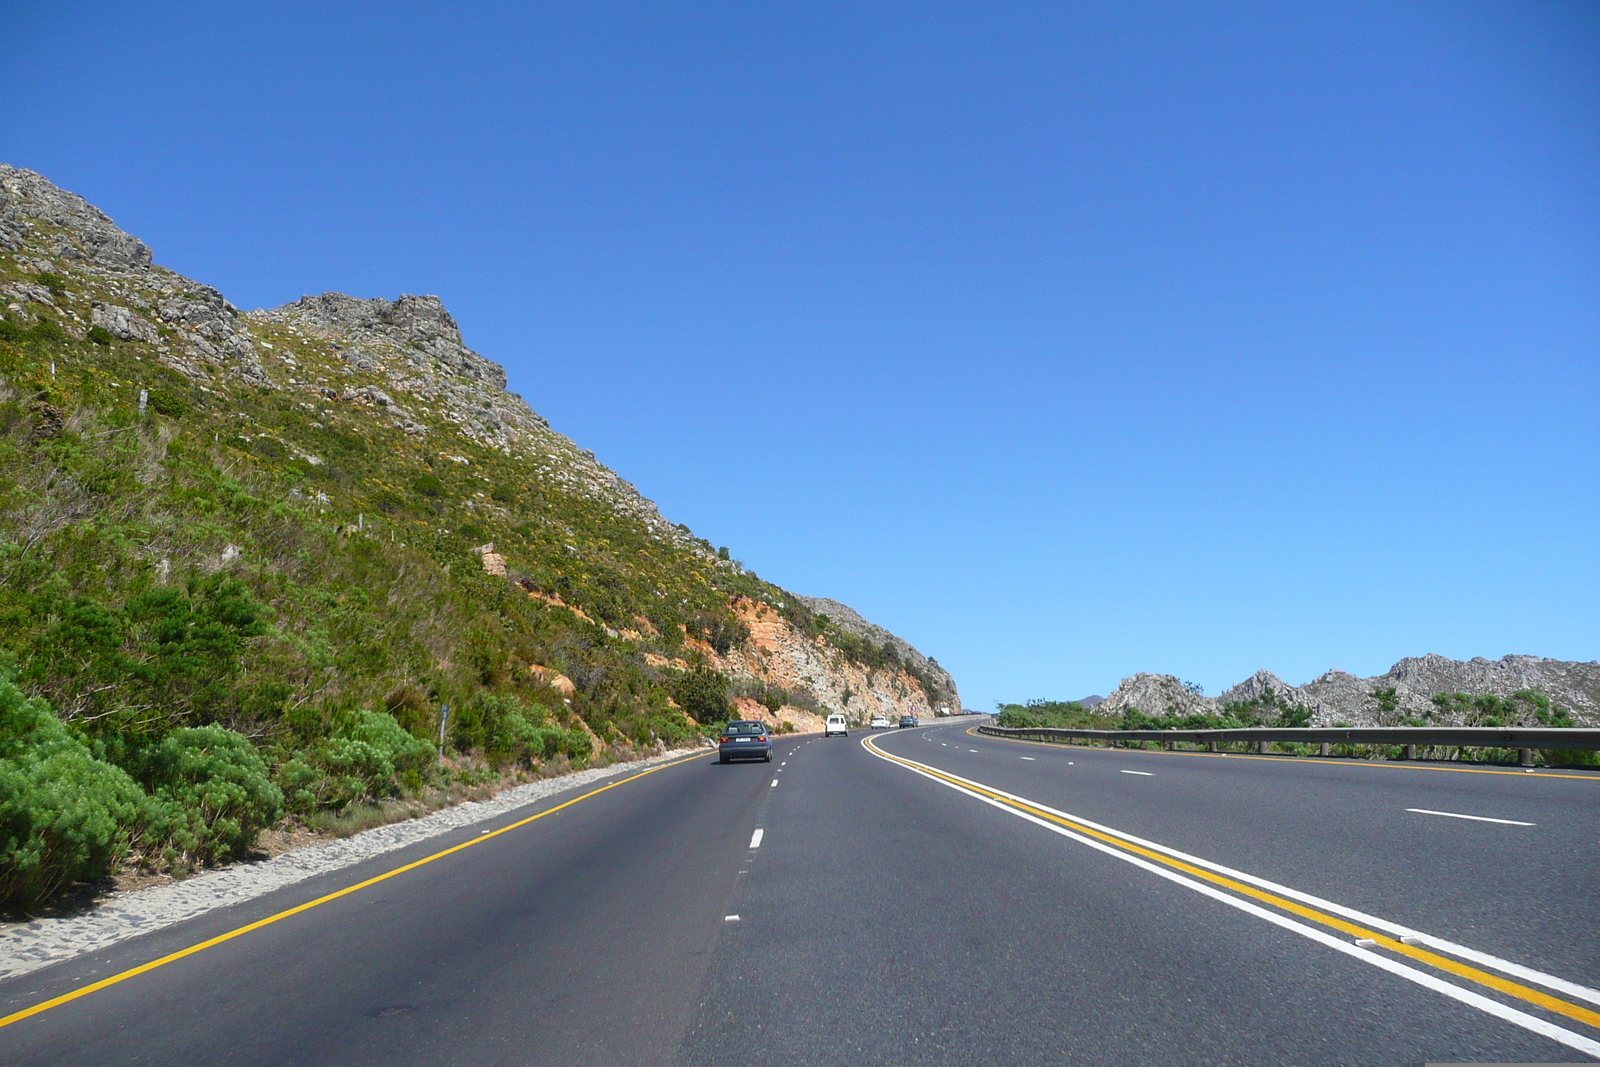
(1390, 766)
(1515, 989)
(65, 998)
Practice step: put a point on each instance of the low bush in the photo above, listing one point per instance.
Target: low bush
(367, 756)
(210, 795)
(64, 815)
(703, 693)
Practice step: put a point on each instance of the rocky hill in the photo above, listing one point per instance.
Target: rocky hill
(282, 523)
(1411, 690)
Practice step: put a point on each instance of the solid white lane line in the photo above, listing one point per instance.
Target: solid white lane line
(1383, 962)
(1142, 774)
(1474, 818)
(755, 838)
(1030, 759)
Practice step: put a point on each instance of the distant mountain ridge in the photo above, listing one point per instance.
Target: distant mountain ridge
(1337, 696)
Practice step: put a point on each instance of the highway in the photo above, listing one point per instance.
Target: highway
(926, 897)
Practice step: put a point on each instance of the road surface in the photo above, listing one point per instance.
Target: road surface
(931, 897)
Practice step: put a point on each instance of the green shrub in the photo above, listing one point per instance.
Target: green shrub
(368, 755)
(703, 693)
(98, 335)
(210, 795)
(428, 485)
(64, 815)
(172, 404)
(1060, 714)
(11, 331)
(507, 731)
(46, 330)
(546, 741)
(1570, 757)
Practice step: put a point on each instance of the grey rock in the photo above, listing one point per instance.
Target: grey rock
(31, 206)
(37, 216)
(1338, 696)
(122, 323)
(1155, 694)
(850, 620)
(30, 293)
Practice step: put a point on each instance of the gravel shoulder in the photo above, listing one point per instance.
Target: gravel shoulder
(28, 946)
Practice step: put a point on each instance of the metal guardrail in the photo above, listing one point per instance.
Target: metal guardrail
(1527, 739)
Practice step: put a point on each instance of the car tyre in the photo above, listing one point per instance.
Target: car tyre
(722, 759)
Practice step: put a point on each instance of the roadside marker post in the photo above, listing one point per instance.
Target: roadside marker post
(444, 717)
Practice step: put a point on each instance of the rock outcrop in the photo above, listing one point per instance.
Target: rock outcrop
(105, 274)
(847, 618)
(1154, 694)
(1337, 696)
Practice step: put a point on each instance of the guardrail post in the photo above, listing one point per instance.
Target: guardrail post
(1527, 757)
(1261, 748)
(1211, 746)
(1171, 745)
(1411, 752)
(1322, 749)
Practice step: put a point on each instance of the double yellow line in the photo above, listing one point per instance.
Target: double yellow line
(134, 972)
(1379, 940)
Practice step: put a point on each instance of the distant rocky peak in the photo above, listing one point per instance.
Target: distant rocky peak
(409, 325)
(1262, 684)
(70, 227)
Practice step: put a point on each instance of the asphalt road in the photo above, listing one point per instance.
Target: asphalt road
(948, 899)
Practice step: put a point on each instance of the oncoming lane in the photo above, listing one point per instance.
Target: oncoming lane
(1342, 829)
(1322, 921)
(892, 919)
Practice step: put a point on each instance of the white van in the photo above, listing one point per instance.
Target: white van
(836, 725)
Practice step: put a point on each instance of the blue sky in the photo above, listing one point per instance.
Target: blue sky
(1065, 340)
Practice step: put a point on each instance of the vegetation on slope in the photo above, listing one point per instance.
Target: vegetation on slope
(243, 601)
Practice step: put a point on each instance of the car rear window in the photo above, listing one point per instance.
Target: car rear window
(744, 728)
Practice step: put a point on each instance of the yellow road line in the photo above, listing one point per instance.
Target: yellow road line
(173, 957)
(1391, 765)
(1444, 963)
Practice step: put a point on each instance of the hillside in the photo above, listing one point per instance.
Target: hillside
(249, 558)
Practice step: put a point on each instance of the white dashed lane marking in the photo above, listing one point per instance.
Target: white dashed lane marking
(1142, 774)
(1474, 818)
(755, 838)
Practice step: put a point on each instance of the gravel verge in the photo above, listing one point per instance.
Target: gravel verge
(26, 947)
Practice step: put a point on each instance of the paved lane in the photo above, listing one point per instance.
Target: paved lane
(1341, 829)
(890, 919)
(886, 917)
(579, 938)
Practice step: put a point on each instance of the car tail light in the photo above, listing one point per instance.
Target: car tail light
(727, 740)
(763, 737)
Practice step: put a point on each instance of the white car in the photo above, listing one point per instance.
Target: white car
(835, 725)
(880, 723)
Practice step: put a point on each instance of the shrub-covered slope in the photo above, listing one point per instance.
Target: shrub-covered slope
(247, 559)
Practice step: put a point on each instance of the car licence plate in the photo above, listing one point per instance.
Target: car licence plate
(741, 740)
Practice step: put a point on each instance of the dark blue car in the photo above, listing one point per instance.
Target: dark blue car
(745, 739)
